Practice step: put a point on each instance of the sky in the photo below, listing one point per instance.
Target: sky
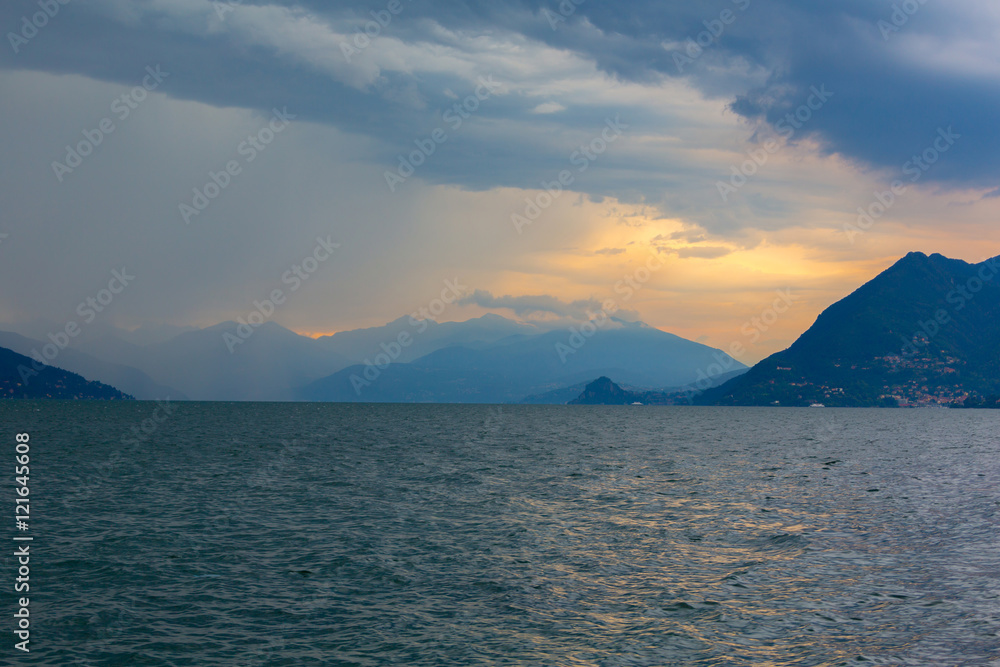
(693, 162)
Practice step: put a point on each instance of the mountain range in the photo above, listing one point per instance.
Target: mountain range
(515, 367)
(924, 332)
(489, 359)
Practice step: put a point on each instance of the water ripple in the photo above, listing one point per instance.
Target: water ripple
(440, 535)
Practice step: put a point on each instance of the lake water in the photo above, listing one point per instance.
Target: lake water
(333, 534)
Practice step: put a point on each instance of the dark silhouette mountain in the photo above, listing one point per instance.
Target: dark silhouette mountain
(925, 331)
(603, 391)
(19, 379)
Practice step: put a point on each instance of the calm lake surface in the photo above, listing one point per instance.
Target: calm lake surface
(333, 534)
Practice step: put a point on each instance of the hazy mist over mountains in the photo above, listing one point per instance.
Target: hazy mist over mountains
(486, 359)
(923, 332)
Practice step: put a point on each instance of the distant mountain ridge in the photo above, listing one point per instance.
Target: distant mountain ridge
(513, 368)
(489, 359)
(926, 331)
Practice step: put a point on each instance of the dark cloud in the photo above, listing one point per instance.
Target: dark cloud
(890, 95)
